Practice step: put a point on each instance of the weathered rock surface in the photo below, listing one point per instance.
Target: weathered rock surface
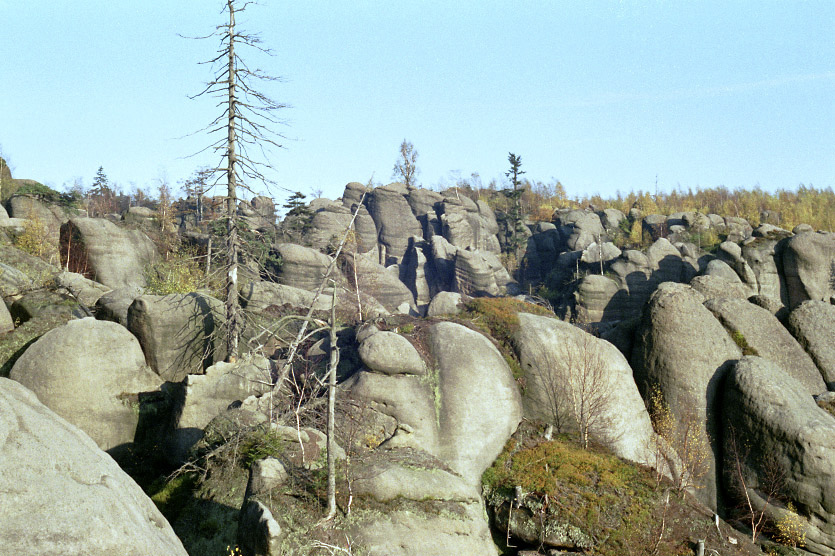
(6, 320)
(777, 419)
(813, 325)
(113, 305)
(199, 398)
(29, 207)
(180, 334)
(301, 267)
(47, 505)
(445, 303)
(259, 295)
(378, 282)
(712, 286)
(595, 299)
(462, 415)
(684, 350)
(102, 251)
(89, 372)
(557, 358)
(763, 333)
(809, 268)
(765, 257)
(75, 285)
(390, 353)
(394, 220)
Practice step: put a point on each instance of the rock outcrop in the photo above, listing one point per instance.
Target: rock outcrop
(562, 363)
(774, 416)
(102, 251)
(180, 334)
(90, 373)
(47, 505)
(681, 348)
(809, 267)
(757, 330)
(812, 323)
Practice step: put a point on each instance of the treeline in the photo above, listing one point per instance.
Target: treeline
(784, 208)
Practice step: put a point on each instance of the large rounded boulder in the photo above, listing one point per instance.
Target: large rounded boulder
(812, 323)
(60, 494)
(180, 334)
(808, 267)
(564, 367)
(90, 373)
(759, 331)
(438, 422)
(784, 434)
(682, 349)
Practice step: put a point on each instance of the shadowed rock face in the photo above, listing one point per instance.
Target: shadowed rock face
(394, 220)
(777, 419)
(684, 350)
(179, 333)
(47, 505)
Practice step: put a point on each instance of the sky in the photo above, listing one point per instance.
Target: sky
(603, 96)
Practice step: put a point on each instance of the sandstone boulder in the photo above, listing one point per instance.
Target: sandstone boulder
(714, 285)
(812, 323)
(685, 351)
(597, 299)
(394, 220)
(390, 353)
(104, 252)
(48, 504)
(462, 415)
(113, 305)
(760, 331)
(200, 398)
(6, 320)
(774, 416)
(180, 334)
(90, 373)
(75, 285)
(809, 268)
(301, 267)
(445, 303)
(558, 359)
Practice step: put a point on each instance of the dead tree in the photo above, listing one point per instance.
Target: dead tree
(246, 123)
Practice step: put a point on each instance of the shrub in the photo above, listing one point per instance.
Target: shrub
(34, 239)
(790, 529)
(179, 273)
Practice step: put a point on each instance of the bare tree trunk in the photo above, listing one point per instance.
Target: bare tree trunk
(331, 412)
(232, 243)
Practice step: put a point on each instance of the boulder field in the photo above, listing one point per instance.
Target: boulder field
(736, 343)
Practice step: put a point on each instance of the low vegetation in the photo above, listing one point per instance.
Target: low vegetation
(603, 504)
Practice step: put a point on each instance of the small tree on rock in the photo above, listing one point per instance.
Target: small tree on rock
(405, 169)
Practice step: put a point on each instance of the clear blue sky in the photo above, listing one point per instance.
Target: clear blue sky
(600, 95)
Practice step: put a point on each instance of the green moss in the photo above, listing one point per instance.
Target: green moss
(172, 496)
(590, 492)
(739, 340)
(498, 317)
